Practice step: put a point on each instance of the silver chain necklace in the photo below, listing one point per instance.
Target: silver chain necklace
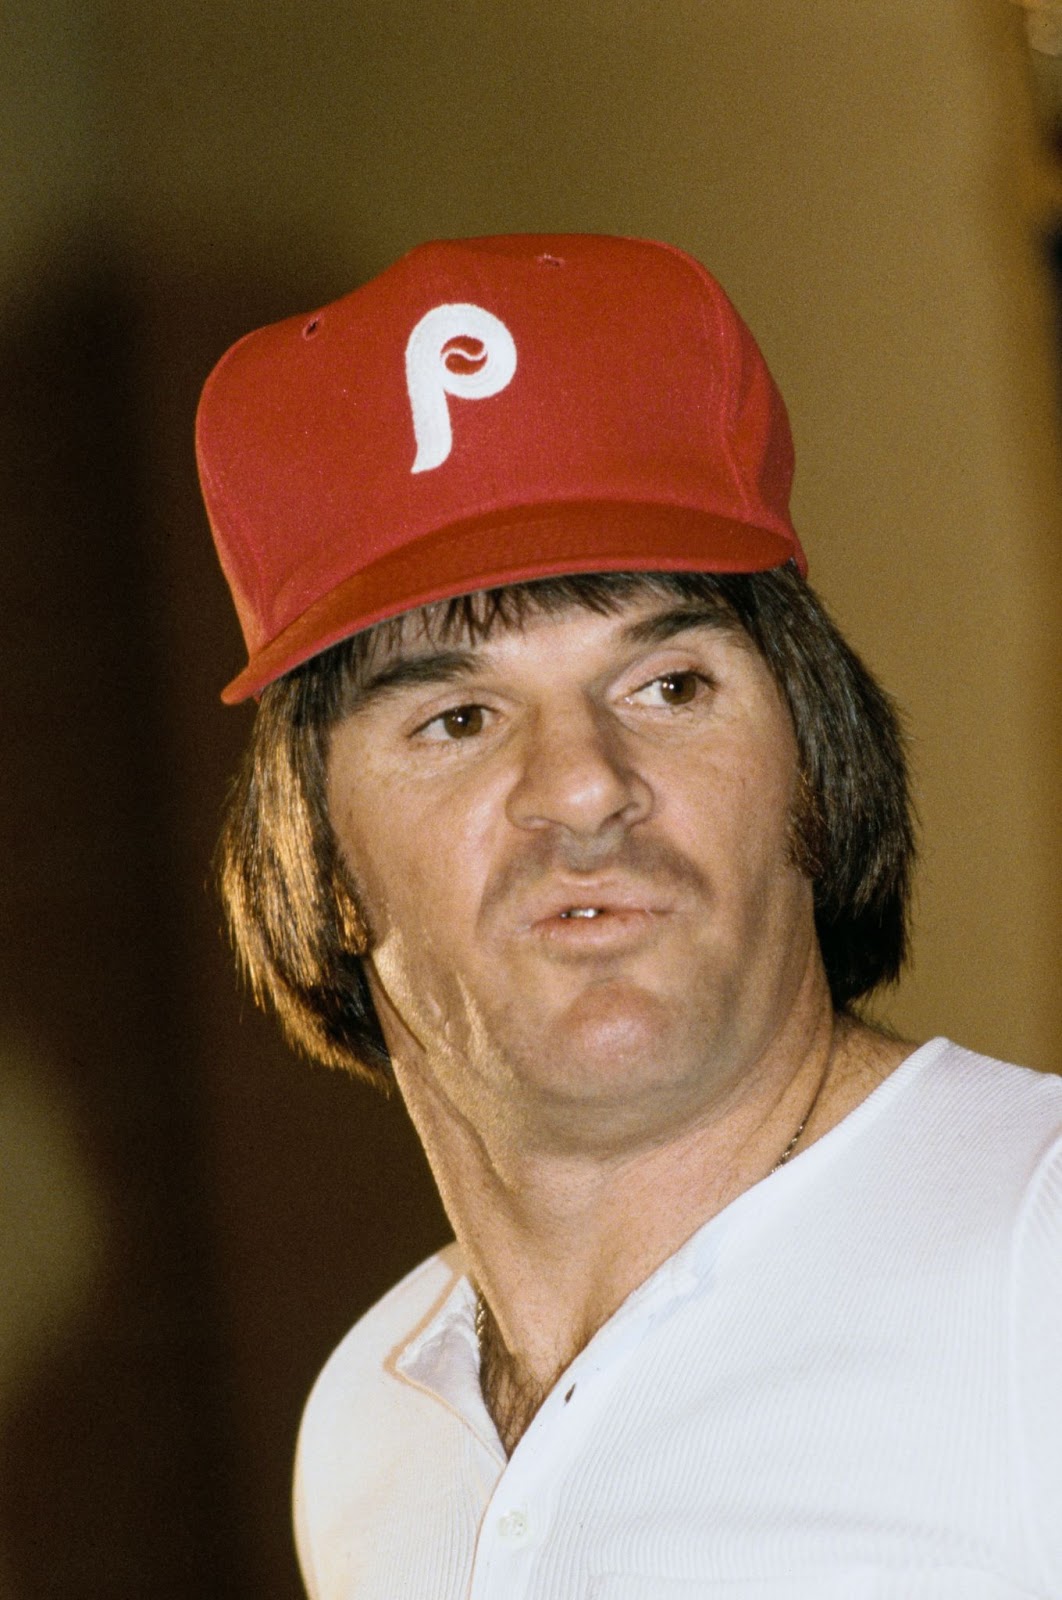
(480, 1318)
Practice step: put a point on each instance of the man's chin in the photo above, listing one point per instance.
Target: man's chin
(612, 1041)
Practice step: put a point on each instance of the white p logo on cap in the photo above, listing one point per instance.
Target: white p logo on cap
(458, 350)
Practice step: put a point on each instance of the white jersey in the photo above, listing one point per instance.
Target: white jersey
(846, 1384)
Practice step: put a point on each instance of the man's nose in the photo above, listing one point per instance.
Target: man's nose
(578, 773)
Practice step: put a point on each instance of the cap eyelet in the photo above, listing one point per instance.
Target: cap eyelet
(311, 327)
(550, 261)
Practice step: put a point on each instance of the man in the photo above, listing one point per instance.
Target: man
(568, 810)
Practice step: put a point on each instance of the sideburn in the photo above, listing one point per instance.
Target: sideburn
(807, 830)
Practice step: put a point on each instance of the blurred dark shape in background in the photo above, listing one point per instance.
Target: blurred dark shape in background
(1043, 33)
(190, 1219)
(132, 1460)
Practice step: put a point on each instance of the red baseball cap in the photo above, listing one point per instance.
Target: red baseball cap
(485, 412)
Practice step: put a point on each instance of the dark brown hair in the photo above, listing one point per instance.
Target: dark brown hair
(292, 912)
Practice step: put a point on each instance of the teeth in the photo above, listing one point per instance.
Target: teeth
(582, 911)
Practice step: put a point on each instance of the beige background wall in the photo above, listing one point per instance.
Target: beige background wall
(864, 180)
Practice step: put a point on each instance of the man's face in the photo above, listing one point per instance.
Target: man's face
(572, 847)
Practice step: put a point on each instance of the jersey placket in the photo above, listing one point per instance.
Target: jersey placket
(519, 1518)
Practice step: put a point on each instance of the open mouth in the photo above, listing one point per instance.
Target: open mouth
(608, 920)
(610, 912)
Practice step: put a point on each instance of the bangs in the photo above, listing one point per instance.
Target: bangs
(475, 617)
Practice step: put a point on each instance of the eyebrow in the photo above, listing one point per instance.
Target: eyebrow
(666, 625)
(438, 666)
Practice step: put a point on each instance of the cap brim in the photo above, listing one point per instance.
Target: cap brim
(542, 541)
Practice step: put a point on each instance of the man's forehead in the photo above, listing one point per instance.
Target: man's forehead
(641, 611)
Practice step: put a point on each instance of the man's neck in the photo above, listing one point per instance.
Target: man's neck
(556, 1242)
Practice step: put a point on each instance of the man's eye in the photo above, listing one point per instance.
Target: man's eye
(460, 722)
(671, 689)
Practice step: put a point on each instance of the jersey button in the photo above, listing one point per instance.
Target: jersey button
(514, 1528)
